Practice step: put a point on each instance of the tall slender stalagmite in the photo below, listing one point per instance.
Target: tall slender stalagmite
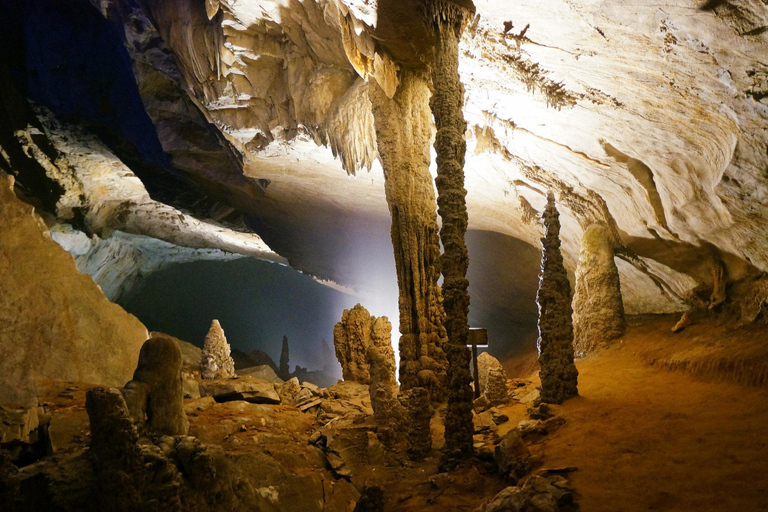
(403, 129)
(558, 373)
(448, 19)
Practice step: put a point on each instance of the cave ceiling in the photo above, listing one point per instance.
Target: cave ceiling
(649, 117)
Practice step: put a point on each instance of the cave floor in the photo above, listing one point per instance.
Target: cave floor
(647, 438)
(663, 422)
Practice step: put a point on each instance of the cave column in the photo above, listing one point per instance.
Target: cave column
(447, 103)
(403, 126)
(598, 309)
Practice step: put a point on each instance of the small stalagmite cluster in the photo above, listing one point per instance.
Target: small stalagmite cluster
(216, 362)
(353, 335)
(598, 309)
(558, 374)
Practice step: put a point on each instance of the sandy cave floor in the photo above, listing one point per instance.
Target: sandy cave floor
(642, 436)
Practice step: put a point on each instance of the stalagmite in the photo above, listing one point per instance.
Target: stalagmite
(117, 459)
(448, 19)
(216, 363)
(388, 412)
(284, 359)
(416, 401)
(558, 373)
(353, 335)
(155, 395)
(598, 309)
(403, 129)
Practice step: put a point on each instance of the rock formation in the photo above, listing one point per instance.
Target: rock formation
(598, 309)
(155, 395)
(56, 322)
(558, 374)
(115, 455)
(496, 386)
(371, 500)
(403, 125)
(485, 362)
(352, 336)
(416, 401)
(388, 412)
(285, 369)
(216, 363)
(512, 456)
(448, 19)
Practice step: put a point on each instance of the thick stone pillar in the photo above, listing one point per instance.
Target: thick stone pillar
(598, 310)
(558, 374)
(403, 126)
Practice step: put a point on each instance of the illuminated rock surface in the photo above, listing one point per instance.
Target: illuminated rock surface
(598, 310)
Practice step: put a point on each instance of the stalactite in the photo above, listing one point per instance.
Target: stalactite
(447, 20)
(558, 373)
(403, 130)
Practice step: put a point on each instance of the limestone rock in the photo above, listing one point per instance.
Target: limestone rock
(18, 423)
(557, 372)
(598, 308)
(685, 320)
(156, 391)
(496, 386)
(483, 421)
(116, 457)
(416, 401)
(288, 390)
(403, 127)
(388, 412)
(83, 338)
(352, 336)
(486, 361)
(216, 362)
(249, 389)
(512, 456)
(371, 500)
(263, 372)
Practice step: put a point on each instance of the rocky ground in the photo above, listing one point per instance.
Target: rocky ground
(639, 437)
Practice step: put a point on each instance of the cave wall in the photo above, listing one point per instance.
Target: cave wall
(56, 323)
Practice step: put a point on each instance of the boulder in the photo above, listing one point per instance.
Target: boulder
(263, 372)
(249, 389)
(17, 423)
(512, 456)
(485, 362)
(496, 386)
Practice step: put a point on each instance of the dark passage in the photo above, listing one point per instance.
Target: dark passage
(255, 301)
